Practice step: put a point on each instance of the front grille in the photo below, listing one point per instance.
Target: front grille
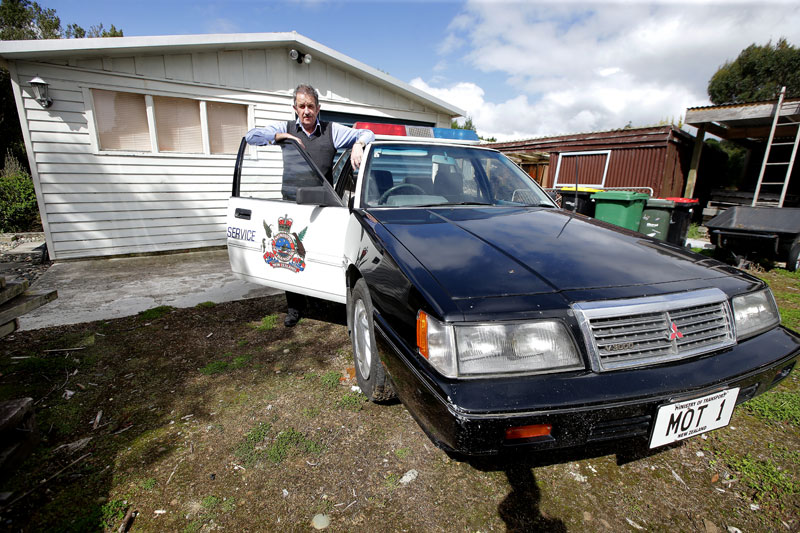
(645, 331)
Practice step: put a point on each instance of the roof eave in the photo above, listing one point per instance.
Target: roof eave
(100, 46)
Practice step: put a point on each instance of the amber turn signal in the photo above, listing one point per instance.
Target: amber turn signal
(527, 432)
(422, 333)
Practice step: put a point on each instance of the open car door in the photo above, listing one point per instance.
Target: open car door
(286, 227)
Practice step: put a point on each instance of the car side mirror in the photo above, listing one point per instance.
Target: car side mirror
(321, 196)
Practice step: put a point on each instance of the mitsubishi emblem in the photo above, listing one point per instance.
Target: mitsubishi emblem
(674, 333)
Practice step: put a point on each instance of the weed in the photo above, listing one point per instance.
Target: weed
(113, 511)
(694, 232)
(209, 502)
(402, 453)
(765, 477)
(193, 526)
(206, 305)
(148, 484)
(776, 407)
(267, 323)
(242, 343)
(240, 360)
(64, 417)
(352, 401)
(218, 367)
(228, 505)
(214, 367)
(246, 450)
(331, 379)
(311, 412)
(289, 440)
(155, 312)
(392, 481)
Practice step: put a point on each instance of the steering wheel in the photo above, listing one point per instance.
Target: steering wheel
(391, 191)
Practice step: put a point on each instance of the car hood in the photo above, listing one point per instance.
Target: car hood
(477, 252)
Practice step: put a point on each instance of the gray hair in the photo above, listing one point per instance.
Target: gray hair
(308, 90)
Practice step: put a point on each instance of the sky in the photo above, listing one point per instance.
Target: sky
(518, 69)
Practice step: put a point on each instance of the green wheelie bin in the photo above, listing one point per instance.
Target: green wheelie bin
(623, 208)
(656, 218)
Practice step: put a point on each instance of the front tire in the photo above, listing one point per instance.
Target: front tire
(370, 373)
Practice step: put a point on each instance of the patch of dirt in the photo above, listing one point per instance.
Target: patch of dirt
(218, 417)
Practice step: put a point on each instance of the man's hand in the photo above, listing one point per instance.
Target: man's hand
(356, 154)
(281, 136)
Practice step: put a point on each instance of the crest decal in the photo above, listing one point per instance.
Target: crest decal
(284, 249)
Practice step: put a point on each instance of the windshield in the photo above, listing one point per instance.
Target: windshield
(420, 175)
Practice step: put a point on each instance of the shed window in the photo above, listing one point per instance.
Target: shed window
(121, 121)
(227, 124)
(590, 168)
(133, 121)
(178, 125)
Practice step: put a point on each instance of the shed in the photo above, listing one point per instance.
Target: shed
(750, 125)
(136, 152)
(655, 157)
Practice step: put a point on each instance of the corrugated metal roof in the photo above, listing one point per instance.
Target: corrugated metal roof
(653, 134)
(743, 104)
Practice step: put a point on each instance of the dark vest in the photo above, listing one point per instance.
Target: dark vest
(319, 147)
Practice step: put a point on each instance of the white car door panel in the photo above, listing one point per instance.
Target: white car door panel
(282, 244)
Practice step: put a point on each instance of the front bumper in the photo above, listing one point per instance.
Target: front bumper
(471, 416)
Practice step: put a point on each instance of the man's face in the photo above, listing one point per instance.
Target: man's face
(307, 110)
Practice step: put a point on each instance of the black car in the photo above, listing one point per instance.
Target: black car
(498, 319)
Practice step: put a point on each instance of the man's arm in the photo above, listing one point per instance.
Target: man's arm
(344, 137)
(270, 133)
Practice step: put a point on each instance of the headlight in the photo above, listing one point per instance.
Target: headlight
(470, 350)
(754, 313)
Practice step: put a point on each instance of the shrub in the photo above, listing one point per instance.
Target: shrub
(18, 209)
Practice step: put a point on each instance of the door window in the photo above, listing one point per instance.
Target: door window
(277, 173)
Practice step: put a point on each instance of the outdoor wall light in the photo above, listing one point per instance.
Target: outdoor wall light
(300, 57)
(40, 92)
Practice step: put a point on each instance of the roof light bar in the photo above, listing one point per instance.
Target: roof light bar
(400, 130)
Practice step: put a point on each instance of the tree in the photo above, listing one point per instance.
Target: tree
(468, 125)
(27, 20)
(757, 74)
(23, 19)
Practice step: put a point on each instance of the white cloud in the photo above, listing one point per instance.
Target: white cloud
(580, 67)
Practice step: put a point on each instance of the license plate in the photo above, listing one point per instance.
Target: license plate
(681, 420)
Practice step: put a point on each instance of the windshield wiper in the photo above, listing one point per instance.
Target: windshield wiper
(445, 204)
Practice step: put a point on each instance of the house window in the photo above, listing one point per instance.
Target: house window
(589, 169)
(178, 125)
(227, 124)
(122, 121)
(125, 122)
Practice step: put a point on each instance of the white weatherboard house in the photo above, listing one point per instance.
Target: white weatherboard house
(135, 154)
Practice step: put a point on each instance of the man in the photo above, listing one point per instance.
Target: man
(321, 140)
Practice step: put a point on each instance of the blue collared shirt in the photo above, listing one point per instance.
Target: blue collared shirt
(342, 136)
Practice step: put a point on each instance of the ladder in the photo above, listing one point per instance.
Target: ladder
(776, 122)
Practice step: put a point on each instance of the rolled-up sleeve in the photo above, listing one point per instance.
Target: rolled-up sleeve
(265, 135)
(344, 137)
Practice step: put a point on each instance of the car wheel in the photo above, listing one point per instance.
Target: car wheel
(793, 262)
(370, 373)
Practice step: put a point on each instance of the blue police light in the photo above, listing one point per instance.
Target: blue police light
(461, 135)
